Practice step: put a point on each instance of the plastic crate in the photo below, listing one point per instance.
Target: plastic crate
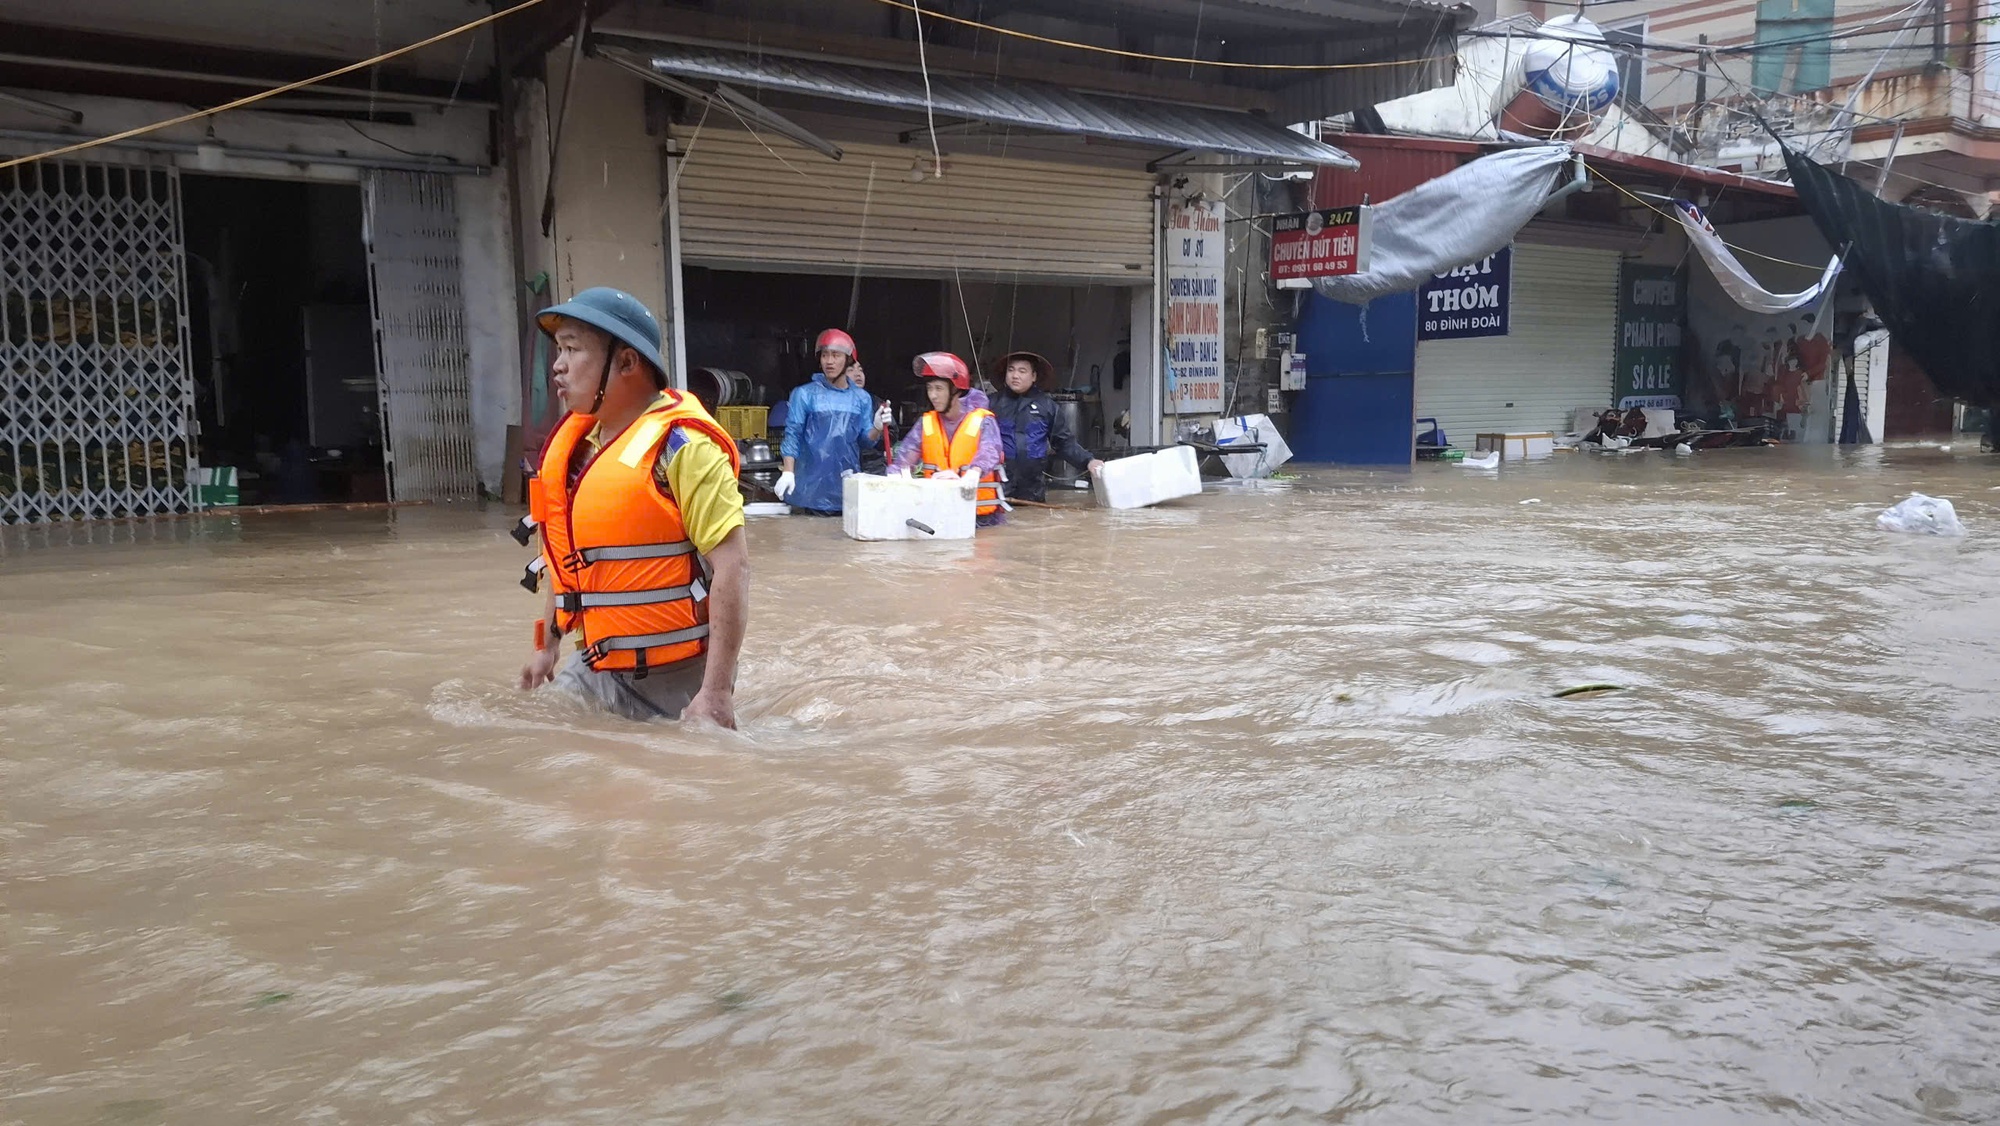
(744, 422)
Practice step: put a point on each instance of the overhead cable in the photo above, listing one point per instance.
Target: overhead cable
(253, 99)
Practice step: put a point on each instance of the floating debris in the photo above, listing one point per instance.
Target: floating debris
(734, 1001)
(1589, 691)
(266, 1000)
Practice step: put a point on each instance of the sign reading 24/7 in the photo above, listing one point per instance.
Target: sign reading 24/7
(1468, 301)
(1326, 243)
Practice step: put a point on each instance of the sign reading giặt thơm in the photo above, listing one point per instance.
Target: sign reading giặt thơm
(1468, 301)
(1327, 243)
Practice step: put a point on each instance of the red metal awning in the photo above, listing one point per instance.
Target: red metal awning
(1391, 165)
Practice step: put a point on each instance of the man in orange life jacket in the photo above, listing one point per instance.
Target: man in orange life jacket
(641, 523)
(959, 437)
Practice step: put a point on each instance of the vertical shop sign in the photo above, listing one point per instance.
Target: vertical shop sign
(1195, 248)
(1652, 305)
(1468, 301)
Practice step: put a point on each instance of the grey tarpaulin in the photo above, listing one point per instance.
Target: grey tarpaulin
(1934, 280)
(1737, 282)
(1462, 216)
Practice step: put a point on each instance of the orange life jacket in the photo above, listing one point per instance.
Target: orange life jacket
(627, 578)
(958, 453)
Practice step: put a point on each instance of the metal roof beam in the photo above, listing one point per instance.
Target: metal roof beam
(46, 109)
(387, 95)
(722, 97)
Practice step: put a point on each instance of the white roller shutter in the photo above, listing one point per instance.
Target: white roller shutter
(1558, 355)
(741, 207)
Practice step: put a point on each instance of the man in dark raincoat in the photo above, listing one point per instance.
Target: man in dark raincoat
(1032, 430)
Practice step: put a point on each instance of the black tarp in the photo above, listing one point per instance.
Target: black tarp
(1853, 428)
(1934, 280)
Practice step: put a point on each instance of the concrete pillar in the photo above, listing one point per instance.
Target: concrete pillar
(492, 318)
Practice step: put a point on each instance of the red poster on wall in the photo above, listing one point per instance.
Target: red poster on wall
(1318, 244)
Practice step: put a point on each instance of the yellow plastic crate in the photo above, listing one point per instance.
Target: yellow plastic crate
(744, 422)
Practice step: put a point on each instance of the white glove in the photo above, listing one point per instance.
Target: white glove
(786, 483)
(884, 415)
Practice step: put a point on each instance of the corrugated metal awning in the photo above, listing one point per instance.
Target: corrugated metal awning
(1026, 105)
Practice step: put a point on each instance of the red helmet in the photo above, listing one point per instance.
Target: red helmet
(945, 366)
(834, 340)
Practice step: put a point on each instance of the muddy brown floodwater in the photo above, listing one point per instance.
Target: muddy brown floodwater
(1253, 808)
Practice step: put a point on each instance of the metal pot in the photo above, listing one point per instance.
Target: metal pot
(760, 465)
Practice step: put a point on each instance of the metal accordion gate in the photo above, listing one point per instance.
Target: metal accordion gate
(421, 353)
(96, 399)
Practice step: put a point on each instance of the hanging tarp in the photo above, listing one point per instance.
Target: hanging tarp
(1736, 281)
(1934, 280)
(1462, 216)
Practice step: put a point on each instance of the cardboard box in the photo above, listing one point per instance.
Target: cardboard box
(1532, 446)
(216, 488)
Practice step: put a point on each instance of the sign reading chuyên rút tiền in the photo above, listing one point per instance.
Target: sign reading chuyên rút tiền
(1327, 243)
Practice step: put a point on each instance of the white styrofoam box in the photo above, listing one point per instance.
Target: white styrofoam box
(1659, 422)
(1176, 473)
(1125, 482)
(881, 508)
(1519, 447)
(1148, 479)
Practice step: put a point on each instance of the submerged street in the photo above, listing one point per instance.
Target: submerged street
(1257, 806)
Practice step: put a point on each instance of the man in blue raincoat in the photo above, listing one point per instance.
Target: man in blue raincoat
(830, 421)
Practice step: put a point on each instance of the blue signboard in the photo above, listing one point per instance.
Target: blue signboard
(1469, 301)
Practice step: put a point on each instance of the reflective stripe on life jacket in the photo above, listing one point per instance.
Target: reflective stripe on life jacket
(627, 580)
(958, 454)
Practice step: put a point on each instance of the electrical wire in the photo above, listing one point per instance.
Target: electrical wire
(905, 5)
(1663, 213)
(253, 99)
(680, 166)
(395, 148)
(930, 113)
(759, 137)
(1713, 49)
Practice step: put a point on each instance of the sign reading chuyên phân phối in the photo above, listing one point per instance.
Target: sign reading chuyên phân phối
(1327, 243)
(1468, 301)
(1651, 312)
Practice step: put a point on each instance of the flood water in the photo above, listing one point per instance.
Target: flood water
(1257, 807)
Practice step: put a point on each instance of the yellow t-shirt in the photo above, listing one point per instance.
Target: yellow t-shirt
(694, 470)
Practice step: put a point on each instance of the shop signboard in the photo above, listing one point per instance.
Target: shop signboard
(1468, 301)
(1195, 251)
(1326, 243)
(1652, 305)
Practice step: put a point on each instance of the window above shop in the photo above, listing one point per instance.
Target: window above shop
(1628, 40)
(1794, 47)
